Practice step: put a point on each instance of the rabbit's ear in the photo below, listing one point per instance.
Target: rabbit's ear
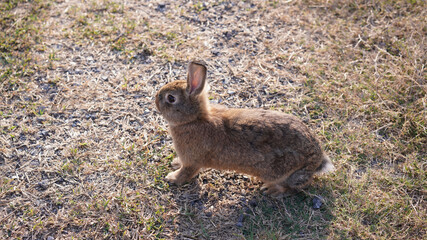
(196, 78)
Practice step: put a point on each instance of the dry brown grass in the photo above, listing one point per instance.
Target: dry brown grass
(84, 153)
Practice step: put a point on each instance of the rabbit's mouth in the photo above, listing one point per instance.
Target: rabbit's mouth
(157, 101)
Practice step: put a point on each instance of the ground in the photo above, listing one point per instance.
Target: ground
(84, 153)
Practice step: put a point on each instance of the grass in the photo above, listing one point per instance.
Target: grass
(84, 153)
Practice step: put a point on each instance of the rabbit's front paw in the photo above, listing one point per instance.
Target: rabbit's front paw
(176, 164)
(182, 175)
(171, 177)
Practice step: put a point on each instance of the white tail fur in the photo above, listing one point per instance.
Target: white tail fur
(326, 166)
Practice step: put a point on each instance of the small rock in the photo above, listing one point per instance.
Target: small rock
(317, 202)
(2, 159)
(138, 96)
(50, 238)
(40, 120)
(253, 203)
(43, 185)
(35, 163)
(215, 53)
(22, 137)
(75, 123)
(104, 78)
(95, 70)
(161, 7)
(43, 133)
(90, 116)
(240, 221)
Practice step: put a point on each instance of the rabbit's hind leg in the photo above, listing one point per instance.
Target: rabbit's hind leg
(276, 189)
(273, 189)
(300, 179)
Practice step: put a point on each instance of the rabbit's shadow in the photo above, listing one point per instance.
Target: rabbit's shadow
(209, 210)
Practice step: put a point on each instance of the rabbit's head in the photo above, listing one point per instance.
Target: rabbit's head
(181, 102)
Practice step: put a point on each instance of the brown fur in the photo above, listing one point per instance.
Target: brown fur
(275, 147)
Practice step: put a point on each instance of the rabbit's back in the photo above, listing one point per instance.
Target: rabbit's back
(263, 143)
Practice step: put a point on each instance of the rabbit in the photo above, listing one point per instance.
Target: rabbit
(277, 148)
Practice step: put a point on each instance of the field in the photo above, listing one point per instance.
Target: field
(84, 152)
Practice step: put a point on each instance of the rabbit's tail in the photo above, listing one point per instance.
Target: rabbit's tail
(326, 165)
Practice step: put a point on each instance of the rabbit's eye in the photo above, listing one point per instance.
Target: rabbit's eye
(170, 99)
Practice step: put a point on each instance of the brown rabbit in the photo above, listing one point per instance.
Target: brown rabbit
(275, 147)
